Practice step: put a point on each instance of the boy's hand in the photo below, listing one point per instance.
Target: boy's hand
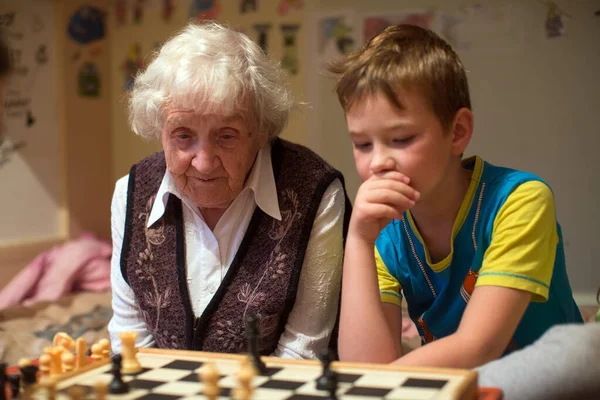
(380, 199)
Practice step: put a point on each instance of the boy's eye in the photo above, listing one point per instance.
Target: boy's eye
(362, 146)
(405, 140)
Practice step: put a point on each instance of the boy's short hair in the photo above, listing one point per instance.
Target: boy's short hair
(405, 57)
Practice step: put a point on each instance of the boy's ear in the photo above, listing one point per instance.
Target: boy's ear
(462, 130)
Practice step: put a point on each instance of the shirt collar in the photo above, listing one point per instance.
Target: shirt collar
(261, 182)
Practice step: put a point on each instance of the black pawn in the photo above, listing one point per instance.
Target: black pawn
(15, 385)
(117, 385)
(3, 381)
(328, 381)
(253, 354)
(29, 373)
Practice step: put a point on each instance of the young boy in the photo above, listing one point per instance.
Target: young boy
(474, 248)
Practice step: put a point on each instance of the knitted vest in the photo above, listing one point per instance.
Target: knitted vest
(263, 277)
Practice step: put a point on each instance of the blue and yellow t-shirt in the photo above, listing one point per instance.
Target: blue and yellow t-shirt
(505, 234)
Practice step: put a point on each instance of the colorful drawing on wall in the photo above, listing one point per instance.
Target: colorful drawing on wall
(120, 12)
(138, 11)
(86, 25)
(167, 10)
(133, 63)
(555, 23)
(289, 61)
(336, 37)
(41, 55)
(262, 30)
(248, 6)
(286, 6)
(89, 80)
(374, 24)
(204, 9)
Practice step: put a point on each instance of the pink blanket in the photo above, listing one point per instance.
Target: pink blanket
(78, 265)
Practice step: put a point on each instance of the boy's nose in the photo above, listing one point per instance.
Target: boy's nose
(382, 162)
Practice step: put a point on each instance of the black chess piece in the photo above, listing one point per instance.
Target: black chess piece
(326, 357)
(29, 374)
(117, 385)
(253, 353)
(15, 385)
(3, 380)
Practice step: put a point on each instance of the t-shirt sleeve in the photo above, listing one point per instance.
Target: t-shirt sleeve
(389, 286)
(522, 251)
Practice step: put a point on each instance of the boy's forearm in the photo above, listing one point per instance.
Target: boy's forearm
(364, 332)
(452, 351)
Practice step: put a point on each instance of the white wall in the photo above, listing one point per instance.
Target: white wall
(536, 103)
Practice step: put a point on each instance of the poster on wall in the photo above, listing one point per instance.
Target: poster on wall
(373, 24)
(337, 36)
(30, 143)
(204, 9)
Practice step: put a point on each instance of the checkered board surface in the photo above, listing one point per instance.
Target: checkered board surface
(174, 375)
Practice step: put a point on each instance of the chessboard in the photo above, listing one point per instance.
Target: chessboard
(177, 374)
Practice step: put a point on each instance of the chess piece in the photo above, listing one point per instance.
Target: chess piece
(55, 354)
(81, 349)
(131, 365)
(29, 379)
(117, 385)
(3, 381)
(244, 378)
(209, 376)
(105, 346)
(49, 384)
(15, 385)
(253, 353)
(44, 362)
(328, 381)
(101, 390)
(76, 393)
(62, 339)
(68, 361)
(96, 352)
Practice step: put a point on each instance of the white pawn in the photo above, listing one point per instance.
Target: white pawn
(96, 352)
(68, 361)
(244, 378)
(209, 376)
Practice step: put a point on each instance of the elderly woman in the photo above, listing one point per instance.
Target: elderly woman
(229, 220)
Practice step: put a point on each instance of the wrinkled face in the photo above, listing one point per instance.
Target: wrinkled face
(210, 156)
(411, 141)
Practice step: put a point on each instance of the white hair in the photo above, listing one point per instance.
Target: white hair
(210, 69)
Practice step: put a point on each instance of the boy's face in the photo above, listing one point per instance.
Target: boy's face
(410, 141)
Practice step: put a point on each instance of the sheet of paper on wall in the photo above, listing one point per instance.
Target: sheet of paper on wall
(375, 23)
(337, 36)
(30, 150)
(483, 27)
